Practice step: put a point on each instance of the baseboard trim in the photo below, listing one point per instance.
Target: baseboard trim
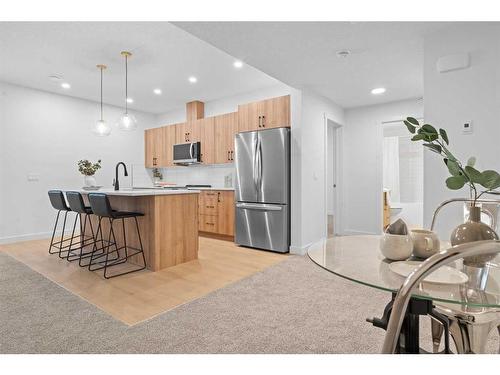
(299, 250)
(353, 232)
(29, 237)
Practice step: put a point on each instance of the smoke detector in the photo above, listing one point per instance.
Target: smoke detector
(343, 53)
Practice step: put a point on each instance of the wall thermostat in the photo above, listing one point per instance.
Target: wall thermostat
(467, 127)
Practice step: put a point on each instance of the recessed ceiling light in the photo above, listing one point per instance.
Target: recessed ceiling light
(193, 79)
(65, 85)
(157, 91)
(238, 64)
(130, 100)
(378, 91)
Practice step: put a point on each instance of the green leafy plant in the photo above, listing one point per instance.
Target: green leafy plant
(461, 175)
(86, 167)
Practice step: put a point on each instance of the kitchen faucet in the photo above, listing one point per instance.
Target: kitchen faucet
(116, 183)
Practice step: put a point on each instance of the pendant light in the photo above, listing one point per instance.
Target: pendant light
(100, 127)
(126, 121)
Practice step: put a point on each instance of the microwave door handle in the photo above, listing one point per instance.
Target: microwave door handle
(191, 150)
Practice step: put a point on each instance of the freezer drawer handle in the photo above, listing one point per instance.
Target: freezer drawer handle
(259, 207)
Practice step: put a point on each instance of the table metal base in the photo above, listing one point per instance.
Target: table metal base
(409, 338)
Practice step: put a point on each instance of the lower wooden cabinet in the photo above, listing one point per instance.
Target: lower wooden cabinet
(216, 212)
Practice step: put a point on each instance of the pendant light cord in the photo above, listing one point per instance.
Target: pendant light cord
(101, 93)
(126, 84)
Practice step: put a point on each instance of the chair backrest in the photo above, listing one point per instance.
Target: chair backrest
(99, 202)
(75, 201)
(57, 200)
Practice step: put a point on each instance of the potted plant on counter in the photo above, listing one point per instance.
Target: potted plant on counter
(88, 170)
(460, 175)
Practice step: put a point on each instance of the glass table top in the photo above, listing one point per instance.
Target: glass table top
(358, 258)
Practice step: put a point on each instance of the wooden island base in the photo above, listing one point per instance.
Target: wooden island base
(169, 227)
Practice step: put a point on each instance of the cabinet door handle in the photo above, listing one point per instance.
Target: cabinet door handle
(210, 206)
(232, 155)
(263, 121)
(260, 122)
(218, 196)
(210, 223)
(228, 155)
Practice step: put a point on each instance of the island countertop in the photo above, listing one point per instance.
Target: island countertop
(128, 192)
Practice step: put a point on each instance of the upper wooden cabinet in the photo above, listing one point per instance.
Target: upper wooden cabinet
(158, 144)
(216, 134)
(153, 143)
(270, 113)
(187, 132)
(167, 154)
(206, 129)
(226, 126)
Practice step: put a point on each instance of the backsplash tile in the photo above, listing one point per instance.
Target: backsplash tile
(215, 175)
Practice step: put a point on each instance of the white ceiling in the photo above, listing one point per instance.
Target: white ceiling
(303, 55)
(164, 56)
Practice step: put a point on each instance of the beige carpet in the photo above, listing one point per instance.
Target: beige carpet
(292, 307)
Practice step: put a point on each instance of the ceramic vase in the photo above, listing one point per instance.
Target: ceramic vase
(89, 181)
(474, 230)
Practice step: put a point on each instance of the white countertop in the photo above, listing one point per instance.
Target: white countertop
(139, 192)
(191, 188)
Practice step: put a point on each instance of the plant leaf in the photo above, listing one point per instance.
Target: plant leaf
(412, 120)
(418, 137)
(448, 154)
(443, 135)
(455, 182)
(490, 179)
(433, 147)
(453, 167)
(473, 174)
(429, 129)
(411, 128)
(472, 161)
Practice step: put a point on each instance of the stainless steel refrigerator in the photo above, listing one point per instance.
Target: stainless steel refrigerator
(262, 189)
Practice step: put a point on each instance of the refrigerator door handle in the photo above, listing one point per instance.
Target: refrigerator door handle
(254, 169)
(259, 181)
(259, 207)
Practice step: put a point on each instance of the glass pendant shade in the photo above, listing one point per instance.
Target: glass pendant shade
(101, 128)
(127, 122)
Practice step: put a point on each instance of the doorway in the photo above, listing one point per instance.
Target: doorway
(403, 175)
(333, 177)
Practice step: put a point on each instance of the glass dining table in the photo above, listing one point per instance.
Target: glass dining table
(458, 309)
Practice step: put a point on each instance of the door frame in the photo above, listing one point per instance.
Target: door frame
(338, 165)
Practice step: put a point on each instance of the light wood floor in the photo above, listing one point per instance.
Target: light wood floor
(139, 296)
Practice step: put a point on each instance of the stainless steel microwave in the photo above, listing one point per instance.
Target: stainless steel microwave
(187, 153)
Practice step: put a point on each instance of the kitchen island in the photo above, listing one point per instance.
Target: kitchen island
(169, 227)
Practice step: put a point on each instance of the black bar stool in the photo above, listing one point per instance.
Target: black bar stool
(59, 203)
(101, 207)
(76, 204)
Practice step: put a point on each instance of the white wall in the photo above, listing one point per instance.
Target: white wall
(313, 157)
(46, 134)
(363, 162)
(456, 97)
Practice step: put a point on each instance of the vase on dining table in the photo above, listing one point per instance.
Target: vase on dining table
(474, 230)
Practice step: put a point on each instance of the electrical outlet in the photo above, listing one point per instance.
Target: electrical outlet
(467, 127)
